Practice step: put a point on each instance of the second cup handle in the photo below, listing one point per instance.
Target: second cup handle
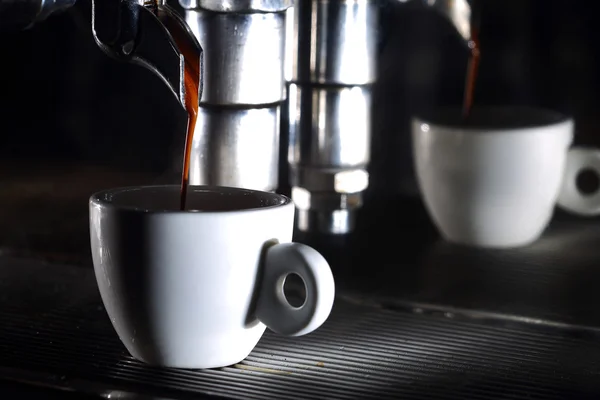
(272, 307)
(571, 198)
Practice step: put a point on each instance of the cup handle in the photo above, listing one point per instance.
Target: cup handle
(571, 199)
(272, 307)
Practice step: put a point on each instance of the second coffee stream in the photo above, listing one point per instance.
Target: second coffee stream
(471, 78)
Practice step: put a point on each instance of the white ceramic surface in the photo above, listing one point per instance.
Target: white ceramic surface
(196, 289)
(495, 182)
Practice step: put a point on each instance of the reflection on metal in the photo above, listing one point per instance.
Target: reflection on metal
(328, 154)
(244, 56)
(458, 12)
(333, 62)
(236, 147)
(333, 65)
(236, 142)
(329, 126)
(335, 42)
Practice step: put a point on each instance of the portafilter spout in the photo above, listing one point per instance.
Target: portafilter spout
(149, 33)
(460, 13)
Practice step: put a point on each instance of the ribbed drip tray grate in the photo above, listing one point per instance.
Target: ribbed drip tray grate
(61, 332)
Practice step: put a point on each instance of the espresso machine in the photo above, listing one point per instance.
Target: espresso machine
(310, 64)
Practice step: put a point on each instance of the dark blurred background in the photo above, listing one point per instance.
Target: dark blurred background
(75, 121)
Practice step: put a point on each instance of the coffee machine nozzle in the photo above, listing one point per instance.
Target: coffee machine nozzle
(136, 31)
(457, 12)
(142, 32)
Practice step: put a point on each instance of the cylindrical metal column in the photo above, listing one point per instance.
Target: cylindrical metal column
(335, 41)
(332, 68)
(236, 141)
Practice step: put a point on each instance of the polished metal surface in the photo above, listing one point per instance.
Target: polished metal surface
(236, 147)
(238, 5)
(329, 126)
(236, 142)
(55, 332)
(329, 151)
(331, 62)
(244, 56)
(335, 42)
(22, 14)
(331, 221)
(458, 12)
(141, 32)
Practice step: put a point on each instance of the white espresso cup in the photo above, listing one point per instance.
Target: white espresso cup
(494, 180)
(195, 288)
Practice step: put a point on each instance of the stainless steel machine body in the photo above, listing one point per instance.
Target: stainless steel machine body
(236, 142)
(334, 64)
(321, 54)
(333, 67)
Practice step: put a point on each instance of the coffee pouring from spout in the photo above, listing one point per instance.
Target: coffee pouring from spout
(143, 32)
(460, 13)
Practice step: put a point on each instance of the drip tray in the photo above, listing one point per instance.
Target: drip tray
(55, 333)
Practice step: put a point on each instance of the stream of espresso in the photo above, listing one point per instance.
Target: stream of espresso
(472, 69)
(192, 81)
(191, 101)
